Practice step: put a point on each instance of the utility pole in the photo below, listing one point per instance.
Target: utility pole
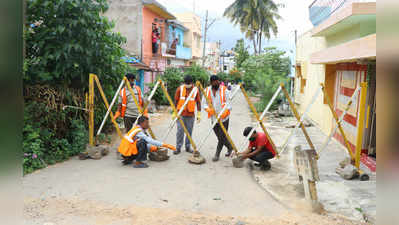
(206, 27)
(296, 37)
(205, 31)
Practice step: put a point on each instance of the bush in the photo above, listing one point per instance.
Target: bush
(264, 73)
(198, 73)
(44, 142)
(65, 41)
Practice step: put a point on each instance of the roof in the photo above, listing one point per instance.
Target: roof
(136, 63)
(159, 9)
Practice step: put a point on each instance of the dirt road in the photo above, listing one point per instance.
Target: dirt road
(171, 192)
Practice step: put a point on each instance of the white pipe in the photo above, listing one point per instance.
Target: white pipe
(218, 117)
(341, 118)
(172, 124)
(149, 102)
(261, 117)
(301, 119)
(110, 107)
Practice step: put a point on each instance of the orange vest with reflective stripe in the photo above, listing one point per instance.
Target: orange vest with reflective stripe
(128, 144)
(191, 103)
(222, 93)
(124, 99)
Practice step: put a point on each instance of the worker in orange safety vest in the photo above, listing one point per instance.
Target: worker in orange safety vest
(188, 114)
(127, 108)
(136, 144)
(218, 95)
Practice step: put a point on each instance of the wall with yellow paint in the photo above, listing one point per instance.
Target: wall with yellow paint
(314, 75)
(192, 38)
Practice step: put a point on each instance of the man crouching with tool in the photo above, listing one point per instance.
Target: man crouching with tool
(136, 144)
(259, 149)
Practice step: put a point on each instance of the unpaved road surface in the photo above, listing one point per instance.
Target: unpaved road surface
(172, 192)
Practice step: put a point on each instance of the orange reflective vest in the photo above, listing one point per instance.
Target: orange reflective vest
(124, 99)
(191, 103)
(128, 144)
(222, 93)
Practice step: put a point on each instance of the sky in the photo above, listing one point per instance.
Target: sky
(295, 17)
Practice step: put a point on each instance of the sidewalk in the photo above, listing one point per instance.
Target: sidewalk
(353, 199)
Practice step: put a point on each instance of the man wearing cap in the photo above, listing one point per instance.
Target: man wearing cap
(219, 97)
(136, 144)
(259, 149)
(188, 114)
(127, 107)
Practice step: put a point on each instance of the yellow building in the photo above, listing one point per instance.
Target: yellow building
(340, 52)
(192, 38)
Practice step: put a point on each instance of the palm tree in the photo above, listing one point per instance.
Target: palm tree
(256, 18)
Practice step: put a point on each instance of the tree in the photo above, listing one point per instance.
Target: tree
(264, 73)
(256, 18)
(65, 40)
(241, 53)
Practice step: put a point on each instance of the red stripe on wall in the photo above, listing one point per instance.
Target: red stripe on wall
(347, 91)
(368, 161)
(351, 67)
(347, 118)
(365, 159)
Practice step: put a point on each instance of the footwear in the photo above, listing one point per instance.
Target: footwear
(228, 154)
(177, 152)
(141, 165)
(257, 164)
(217, 154)
(189, 150)
(215, 158)
(126, 162)
(266, 166)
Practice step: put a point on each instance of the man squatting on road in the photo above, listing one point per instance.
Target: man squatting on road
(259, 149)
(219, 97)
(136, 144)
(187, 115)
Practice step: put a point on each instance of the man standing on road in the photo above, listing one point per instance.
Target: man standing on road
(136, 144)
(219, 97)
(187, 115)
(259, 149)
(127, 107)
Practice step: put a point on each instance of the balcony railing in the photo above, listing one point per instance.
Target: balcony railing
(183, 52)
(320, 10)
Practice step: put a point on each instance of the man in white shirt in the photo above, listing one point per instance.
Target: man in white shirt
(219, 96)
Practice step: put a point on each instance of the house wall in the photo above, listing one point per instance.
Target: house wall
(155, 61)
(193, 36)
(314, 75)
(176, 33)
(340, 79)
(128, 18)
(148, 19)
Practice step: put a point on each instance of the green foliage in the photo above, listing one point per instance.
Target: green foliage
(224, 76)
(159, 97)
(43, 144)
(264, 73)
(256, 18)
(69, 40)
(173, 77)
(198, 73)
(241, 53)
(65, 41)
